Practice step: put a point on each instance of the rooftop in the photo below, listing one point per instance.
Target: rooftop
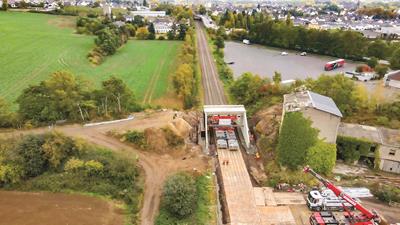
(379, 135)
(302, 99)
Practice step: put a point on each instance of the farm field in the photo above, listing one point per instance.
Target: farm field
(17, 208)
(32, 46)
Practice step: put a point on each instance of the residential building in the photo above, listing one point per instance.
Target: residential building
(148, 13)
(321, 110)
(392, 79)
(387, 143)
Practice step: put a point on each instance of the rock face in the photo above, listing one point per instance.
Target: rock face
(267, 121)
(157, 139)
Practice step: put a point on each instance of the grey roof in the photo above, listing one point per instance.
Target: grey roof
(324, 103)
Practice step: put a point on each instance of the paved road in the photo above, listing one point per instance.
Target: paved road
(212, 86)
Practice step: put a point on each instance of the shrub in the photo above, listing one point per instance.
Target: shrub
(136, 137)
(381, 70)
(161, 38)
(322, 157)
(372, 62)
(296, 137)
(350, 149)
(180, 195)
(33, 158)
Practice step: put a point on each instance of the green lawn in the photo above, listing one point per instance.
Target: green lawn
(32, 46)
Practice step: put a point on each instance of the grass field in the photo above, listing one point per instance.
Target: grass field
(32, 46)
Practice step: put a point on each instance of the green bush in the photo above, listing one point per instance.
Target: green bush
(29, 165)
(136, 137)
(205, 211)
(350, 149)
(295, 138)
(322, 157)
(180, 195)
(32, 157)
(386, 193)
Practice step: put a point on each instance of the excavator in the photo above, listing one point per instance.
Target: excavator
(365, 217)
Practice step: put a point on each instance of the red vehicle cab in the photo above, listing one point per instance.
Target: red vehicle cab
(334, 64)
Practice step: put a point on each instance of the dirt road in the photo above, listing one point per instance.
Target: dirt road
(212, 86)
(21, 208)
(156, 167)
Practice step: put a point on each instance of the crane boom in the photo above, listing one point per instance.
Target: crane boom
(366, 214)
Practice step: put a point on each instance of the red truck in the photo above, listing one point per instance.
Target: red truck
(334, 64)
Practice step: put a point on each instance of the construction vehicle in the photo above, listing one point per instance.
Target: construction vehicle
(316, 201)
(366, 217)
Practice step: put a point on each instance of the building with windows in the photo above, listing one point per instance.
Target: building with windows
(321, 110)
(387, 142)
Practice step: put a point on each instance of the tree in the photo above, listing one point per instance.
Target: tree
(246, 89)
(295, 138)
(180, 195)
(202, 10)
(57, 98)
(144, 3)
(152, 32)
(182, 31)
(378, 49)
(6, 117)
(183, 80)
(219, 42)
(32, 155)
(142, 33)
(4, 6)
(57, 149)
(338, 87)
(322, 157)
(395, 60)
(372, 62)
(277, 78)
(116, 96)
(381, 70)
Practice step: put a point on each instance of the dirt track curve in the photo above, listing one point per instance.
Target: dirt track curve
(155, 166)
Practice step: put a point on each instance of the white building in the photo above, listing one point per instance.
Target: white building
(148, 13)
(162, 27)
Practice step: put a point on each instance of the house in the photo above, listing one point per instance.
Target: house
(321, 110)
(162, 26)
(392, 79)
(387, 143)
(148, 13)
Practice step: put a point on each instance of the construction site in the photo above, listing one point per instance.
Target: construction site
(227, 137)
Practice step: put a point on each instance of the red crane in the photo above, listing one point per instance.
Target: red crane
(366, 217)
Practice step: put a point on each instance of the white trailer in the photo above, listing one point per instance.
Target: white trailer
(233, 145)
(245, 41)
(222, 144)
(317, 202)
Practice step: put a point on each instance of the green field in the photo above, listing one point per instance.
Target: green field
(32, 46)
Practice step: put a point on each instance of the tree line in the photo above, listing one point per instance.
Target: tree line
(64, 97)
(353, 100)
(261, 28)
(109, 37)
(55, 163)
(186, 78)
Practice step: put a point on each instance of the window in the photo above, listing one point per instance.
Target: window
(372, 149)
(392, 152)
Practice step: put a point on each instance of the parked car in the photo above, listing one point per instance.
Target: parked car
(284, 53)
(245, 41)
(303, 53)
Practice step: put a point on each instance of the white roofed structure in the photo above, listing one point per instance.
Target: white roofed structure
(225, 110)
